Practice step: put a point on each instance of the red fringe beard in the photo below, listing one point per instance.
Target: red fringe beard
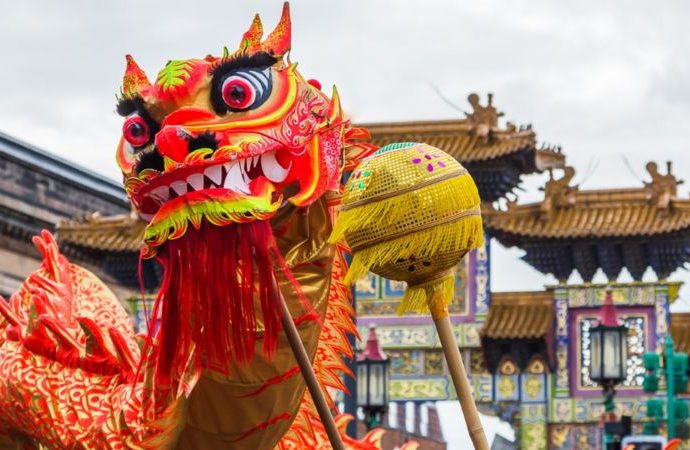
(207, 298)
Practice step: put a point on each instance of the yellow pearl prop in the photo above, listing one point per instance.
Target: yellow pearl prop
(410, 213)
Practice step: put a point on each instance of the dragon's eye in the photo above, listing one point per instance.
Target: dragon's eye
(238, 93)
(136, 131)
(241, 90)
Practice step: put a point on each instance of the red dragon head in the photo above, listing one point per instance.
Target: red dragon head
(215, 142)
(227, 139)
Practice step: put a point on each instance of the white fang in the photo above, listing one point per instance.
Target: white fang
(272, 168)
(215, 174)
(196, 181)
(235, 179)
(180, 187)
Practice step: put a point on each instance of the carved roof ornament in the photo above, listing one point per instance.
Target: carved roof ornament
(568, 212)
(483, 119)
(589, 229)
(663, 187)
(558, 193)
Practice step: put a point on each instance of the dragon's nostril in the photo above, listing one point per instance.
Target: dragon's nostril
(204, 140)
(150, 160)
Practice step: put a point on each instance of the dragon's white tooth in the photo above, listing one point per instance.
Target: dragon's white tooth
(235, 179)
(146, 217)
(272, 168)
(215, 174)
(196, 181)
(243, 170)
(234, 173)
(161, 194)
(180, 187)
(226, 168)
(255, 161)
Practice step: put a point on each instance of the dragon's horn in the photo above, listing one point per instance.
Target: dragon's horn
(278, 42)
(135, 79)
(335, 112)
(251, 39)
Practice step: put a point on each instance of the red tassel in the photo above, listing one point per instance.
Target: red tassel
(212, 277)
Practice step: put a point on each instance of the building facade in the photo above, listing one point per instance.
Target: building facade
(644, 230)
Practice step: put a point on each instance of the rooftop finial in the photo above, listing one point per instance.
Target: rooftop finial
(483, 115)
(662, 187)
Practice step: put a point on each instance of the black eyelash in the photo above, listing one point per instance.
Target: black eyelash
(230, 64)
(126, 106)
(246, 67)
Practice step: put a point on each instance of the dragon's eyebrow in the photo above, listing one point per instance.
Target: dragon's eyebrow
(260, 59)
(127, 105)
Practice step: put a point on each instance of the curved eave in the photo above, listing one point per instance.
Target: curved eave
(604, 221)
(519, 315)
(548, 159)
(457, 138)
(122, 233)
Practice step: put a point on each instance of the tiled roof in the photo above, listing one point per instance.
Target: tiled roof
(121, 233)
(680, 331)
(460, 139)
(519, 315)
(568, 212)
(477, 138)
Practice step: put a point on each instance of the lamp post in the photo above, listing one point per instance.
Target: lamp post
(373, 379)
(609, 354)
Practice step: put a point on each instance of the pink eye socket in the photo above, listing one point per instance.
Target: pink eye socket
(136, 131)
(238, 93)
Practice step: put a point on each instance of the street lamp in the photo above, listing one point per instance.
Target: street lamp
(373, 379)
(609, 352)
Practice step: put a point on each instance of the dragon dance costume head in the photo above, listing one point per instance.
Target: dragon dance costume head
(220, 138)
(224, 140)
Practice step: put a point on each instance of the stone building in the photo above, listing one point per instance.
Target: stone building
(38, 191)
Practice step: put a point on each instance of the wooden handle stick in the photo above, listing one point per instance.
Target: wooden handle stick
(307, 370)
(439, 312)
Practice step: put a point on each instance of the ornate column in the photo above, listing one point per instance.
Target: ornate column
(533, 406)
(562, 383)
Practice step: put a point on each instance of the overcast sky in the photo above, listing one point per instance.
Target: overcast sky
(609, 81)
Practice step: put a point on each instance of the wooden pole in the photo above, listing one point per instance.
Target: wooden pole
(295, 341)
(459, 376)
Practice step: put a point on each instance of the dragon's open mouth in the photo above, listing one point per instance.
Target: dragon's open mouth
(208, 178)
(218, 186)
